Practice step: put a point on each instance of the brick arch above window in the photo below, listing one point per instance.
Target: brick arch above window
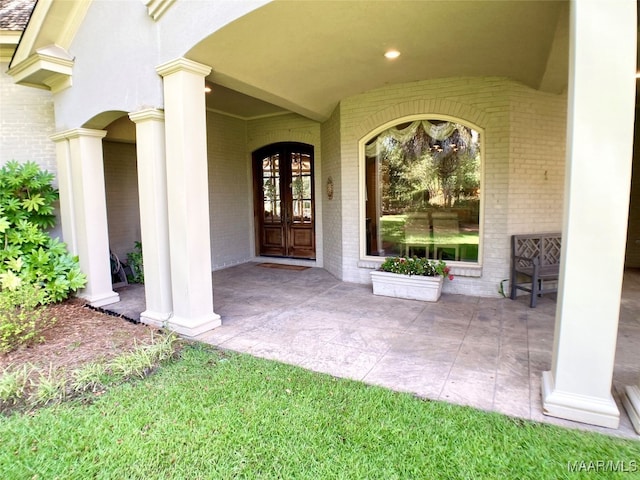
(279, 136)
(423, 107)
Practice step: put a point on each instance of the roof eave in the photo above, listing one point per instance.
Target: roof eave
(41, 58)
(50, 68)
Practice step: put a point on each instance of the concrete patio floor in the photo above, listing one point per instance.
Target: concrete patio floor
(488, 353)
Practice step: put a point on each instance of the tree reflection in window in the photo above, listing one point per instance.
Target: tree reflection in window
(271, 188)
(423, 191)
(301, 187)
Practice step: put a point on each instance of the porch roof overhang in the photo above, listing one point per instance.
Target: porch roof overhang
(305, 57)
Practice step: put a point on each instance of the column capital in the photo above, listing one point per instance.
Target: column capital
(76, 133)
(183, 65)
(147, 114)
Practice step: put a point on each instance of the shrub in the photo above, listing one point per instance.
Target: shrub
(13, 383)
(22, 316)
(50, 387)
(134, 262)
(29, 255)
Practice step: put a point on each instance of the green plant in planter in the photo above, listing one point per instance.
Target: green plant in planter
(28, 254)
(416, 266)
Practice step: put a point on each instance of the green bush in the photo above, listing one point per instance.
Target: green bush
(29, 255)
(22, 316)
(134, 261)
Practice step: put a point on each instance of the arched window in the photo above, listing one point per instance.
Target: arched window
(423, 191)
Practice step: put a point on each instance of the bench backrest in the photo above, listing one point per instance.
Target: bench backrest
(546, 246)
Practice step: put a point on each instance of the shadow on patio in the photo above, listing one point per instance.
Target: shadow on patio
(488, 353)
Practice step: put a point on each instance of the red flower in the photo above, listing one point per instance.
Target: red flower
(450, 277)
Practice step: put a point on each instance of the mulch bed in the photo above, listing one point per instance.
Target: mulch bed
(80, 335)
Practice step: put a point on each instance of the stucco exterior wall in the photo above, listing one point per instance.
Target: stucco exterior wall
(230, 205)
(26, 122)
(504, 111)
(123, 77)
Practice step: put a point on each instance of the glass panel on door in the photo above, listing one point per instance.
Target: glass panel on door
(284, 205)
(271, 189)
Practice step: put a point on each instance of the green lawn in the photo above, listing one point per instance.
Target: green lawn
(215, 415)
(394, 239)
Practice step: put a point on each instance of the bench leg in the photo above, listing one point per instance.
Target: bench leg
(535, 288)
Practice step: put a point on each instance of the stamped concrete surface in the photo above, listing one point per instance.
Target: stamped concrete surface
(487, 353)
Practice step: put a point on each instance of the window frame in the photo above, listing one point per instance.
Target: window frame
(362, 188)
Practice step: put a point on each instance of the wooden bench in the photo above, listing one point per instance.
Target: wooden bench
(537, 257)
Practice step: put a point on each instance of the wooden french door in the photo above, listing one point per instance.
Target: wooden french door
(284, 200)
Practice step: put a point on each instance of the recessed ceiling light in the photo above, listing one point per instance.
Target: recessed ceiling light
(391, 54)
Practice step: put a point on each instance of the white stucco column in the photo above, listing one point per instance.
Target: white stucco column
(598, 179)
(84, 209)
(65, 191)
(188, 197)
(154, 223)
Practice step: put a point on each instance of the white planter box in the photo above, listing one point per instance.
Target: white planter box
(414, 287)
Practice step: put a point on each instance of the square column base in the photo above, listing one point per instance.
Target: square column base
(602, 412)
(631, 401)
(101, 300)
(190, 328)
(155, 319)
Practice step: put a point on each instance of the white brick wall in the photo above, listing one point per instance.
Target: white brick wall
(121, 190)
(26, 122)
(332, 209)
(230, 183)
(518, 122)
(230, 203)
(229, 191)
(282, 128)
(536, 161)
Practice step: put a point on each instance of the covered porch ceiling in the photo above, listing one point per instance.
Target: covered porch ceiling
(306, 57)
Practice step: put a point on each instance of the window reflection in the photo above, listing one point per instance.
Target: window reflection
(423, 191)
(271, 188)
(301, 188)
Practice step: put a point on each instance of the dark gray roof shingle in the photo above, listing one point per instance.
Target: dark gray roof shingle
(14, 14)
